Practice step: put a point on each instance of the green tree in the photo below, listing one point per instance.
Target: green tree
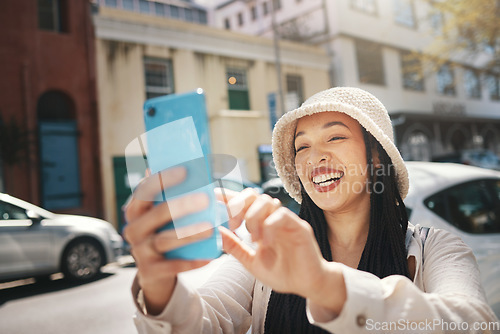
(466, 31)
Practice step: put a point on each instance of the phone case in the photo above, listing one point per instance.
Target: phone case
(177, 133)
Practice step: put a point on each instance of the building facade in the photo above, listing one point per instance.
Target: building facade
(435, 110)
(48, 105)
(143, 55)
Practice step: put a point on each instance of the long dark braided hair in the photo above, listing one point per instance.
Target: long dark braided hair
(384, 253)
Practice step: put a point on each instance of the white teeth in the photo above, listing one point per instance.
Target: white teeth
(323, 177)
(326, 184)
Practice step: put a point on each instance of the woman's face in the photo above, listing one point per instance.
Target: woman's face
(330, 160)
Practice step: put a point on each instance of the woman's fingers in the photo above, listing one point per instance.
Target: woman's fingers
(283, 224)
(239, 204)
(234, 246)
(149, 188)
(151, 250)
(225, 195)
(256, 214)
(162, 214)
(248, 205)
(171, 239)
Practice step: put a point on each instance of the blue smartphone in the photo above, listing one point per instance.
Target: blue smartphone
(177, 134)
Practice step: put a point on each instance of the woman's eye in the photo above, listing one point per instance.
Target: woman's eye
(336, 138)
(300, 148)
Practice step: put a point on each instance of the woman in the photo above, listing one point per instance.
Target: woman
(350, 262)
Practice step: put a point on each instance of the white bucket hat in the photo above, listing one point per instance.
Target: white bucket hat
(355, 102)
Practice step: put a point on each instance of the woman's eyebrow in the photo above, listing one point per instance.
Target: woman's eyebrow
(327, 125)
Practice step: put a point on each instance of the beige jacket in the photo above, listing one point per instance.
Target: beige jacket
(446, 295)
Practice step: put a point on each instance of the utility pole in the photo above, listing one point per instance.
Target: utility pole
(281, 97)
(329, 50)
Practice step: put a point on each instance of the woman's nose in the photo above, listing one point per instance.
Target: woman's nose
(317, 156)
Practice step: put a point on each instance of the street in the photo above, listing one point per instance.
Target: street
(57, 307)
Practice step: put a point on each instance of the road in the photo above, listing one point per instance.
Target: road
(57, 307)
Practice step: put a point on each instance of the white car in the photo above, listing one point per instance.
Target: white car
(466, 201)
(37, 243)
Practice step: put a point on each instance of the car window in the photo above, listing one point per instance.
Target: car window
(473, 207)
(10, 212)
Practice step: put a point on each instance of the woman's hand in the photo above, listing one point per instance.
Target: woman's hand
(288, 258)
(157, 275)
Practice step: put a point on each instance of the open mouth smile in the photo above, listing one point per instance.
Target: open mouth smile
(325, 179)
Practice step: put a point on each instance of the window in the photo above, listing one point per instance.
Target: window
(202, 16)
(174, 11)
(227, 24)
(240, 19)
(370, 62)
(188, 14)
(265, 8)
(294, 91)
(50, 15)
(237, 89)
(128, 4)
(493, 82)
(472, 207)
(159, 77)
(366, 6)
(11, 212)
(472, 84)
(404, 13)
(111, 3)
(144, 6)
(419, 147)
(411, 68)
(159, 9)
(276, 4)
(437, 22)
(446, 80)
(254, 13)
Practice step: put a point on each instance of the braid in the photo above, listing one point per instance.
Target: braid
(384, 253)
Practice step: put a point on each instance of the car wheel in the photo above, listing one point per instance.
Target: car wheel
(82, 260)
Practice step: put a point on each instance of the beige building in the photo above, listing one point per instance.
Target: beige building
(141, 56)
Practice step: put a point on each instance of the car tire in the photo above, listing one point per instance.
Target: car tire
(82, 260)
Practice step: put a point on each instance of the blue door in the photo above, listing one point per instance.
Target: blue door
(60, 176)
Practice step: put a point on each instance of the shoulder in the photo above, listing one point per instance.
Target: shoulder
(437, 246)
(433, 235)
(442, 248)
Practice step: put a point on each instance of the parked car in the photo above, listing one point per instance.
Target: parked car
(479, 158)
(37, 243)
(462, 199)
(466, 201)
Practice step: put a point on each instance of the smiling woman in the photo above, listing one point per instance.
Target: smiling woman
(348, 260)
